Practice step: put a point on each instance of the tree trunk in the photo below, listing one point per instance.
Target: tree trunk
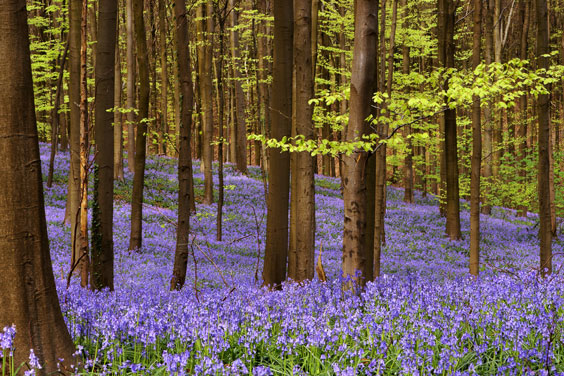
(72, 214)
(240, 140)
(184, 159)
(102, 275)
(543, 113)
(447, 12)
(301, 253)
(136, 238)
(131, 70)
(276, 249)
(476, 149)
(488, 118)
(118, 116)
(163, 145)
(408, 162)
(522, 130)
(28, 296)
(355, 253)
(205, 27)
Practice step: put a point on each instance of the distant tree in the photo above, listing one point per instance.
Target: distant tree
(276, 250)
(28, 297)
(476, 148)
(102, 274)
(543, 113)
(131, 73)
(184, 155)
(355, 253)
(302, 215)
(136, 237)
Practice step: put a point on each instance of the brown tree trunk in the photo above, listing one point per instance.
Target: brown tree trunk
(355, 253)
(476, 149)
(409, 153)
(488, 118)
(136, 238)
(522, 130)
(240, 139)
(131, 73)
(118, 116)
(276, 249)
(301, 253)
(184, 159)
(543, 113)
(28, 296)
(263, 73)
(205, 27)
(72, 214)
(163, 145)
(447, 12)
(102, 275)
(84, 261)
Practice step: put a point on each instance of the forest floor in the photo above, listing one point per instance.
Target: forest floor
(425, 315)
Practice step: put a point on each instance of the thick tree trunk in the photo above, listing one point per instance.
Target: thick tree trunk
(476, 149)
(102, 275)
(276, 250)
(301, 253)
(446, 38)
(355, 253)
(131, 70)
(543, 113)
(184, 159)
(136, 237)
(28, 296)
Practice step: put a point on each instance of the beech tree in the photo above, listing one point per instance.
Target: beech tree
(28, 297)
(356, 256)
(276, 248)
(102, 232)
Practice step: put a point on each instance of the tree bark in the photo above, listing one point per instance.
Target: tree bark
(163, 145)
(276, 250)
(447, 11)
(184, 159)
(102, 275)
(204, 30)
(136, 238)
(301, 253)
(408, 161)
(543, 113)
(488, 118)
(239, 139)
(522, 130)
(131, 70)
(355, 252)
(72, 214)
(476, 148)
(118, 116)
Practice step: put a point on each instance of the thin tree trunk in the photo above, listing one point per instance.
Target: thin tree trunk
(522, 130)
(276, 249)
(184, 159)
(136, 237)
(164, 79)
(131, 70)
(55, 117)
(488, 118)
(408, 162)
(84, 261)
(118, 116)
(543, 113)
(476, 149)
